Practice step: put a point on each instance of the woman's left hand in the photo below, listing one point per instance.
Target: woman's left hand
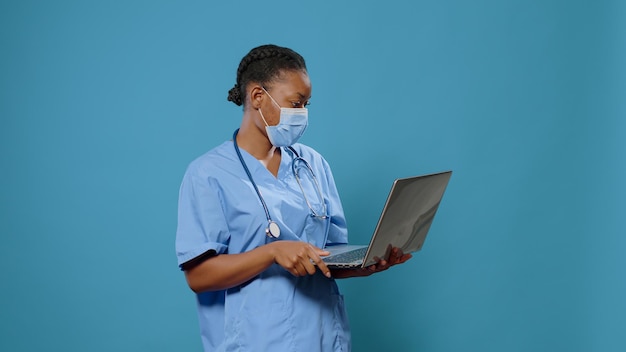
(395, 257)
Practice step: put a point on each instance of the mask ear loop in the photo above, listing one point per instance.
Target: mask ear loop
(263, 117)
(269, 95)
(274, 101)
(261, 112)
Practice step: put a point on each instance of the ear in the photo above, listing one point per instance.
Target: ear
(256, 96)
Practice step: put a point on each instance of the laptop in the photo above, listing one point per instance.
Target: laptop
(404, 223)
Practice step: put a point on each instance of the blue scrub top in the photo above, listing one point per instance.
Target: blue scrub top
(220, 210)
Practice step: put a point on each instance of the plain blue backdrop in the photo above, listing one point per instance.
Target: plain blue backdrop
(103, 105)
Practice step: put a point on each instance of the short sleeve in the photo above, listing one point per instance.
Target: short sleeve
(202, 224)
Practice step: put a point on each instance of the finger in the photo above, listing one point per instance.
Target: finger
(308, 266)
(319, 251)
(396, 256)
(401, 259)
(395, 253)
(302, 269)
(293, 269)
(380, 263)
(303, 262)
(295, 265)
(322, 252)
(321, 265)
(306, 269)
(319, 262)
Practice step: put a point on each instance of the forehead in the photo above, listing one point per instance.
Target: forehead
(292, 83)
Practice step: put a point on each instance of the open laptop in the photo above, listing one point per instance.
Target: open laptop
(404, 223)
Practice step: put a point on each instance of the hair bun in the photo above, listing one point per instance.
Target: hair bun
(261, 65)
(234, 95)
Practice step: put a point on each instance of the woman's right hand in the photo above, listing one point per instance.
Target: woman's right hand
(299, 258)
(224, 271)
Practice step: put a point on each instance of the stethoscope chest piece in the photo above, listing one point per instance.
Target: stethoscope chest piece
(272, 230)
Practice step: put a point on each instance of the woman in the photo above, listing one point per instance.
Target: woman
(254, 215)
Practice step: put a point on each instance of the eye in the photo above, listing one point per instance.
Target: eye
(299, 104)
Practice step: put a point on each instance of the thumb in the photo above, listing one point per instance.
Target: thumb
(320, 251)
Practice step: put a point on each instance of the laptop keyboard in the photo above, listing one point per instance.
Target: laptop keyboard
(347, 257)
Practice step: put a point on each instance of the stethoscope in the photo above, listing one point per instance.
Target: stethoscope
(273, 230)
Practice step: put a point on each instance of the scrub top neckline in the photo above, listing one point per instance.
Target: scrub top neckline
(283, 168)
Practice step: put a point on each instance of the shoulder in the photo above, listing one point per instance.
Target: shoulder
(214, 161)
(308, 153)
(317, 162)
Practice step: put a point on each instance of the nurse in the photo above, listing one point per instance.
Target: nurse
(254, 214)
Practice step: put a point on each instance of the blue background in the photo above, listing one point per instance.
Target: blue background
(103, 105)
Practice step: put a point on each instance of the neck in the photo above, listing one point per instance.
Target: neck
(253, 141)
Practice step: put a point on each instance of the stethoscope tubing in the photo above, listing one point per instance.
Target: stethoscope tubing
(273, 230)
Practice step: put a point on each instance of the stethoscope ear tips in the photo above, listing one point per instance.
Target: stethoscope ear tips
(272, 230)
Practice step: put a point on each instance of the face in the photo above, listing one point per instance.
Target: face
(291, 90)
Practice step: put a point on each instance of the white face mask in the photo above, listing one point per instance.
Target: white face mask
(293, 122)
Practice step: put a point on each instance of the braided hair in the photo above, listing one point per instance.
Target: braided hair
(261, 65)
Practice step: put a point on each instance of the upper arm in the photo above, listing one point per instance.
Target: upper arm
(202, 223)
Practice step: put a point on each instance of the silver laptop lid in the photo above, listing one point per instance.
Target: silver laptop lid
(407, 215)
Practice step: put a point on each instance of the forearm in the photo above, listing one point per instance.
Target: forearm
(228, 270)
